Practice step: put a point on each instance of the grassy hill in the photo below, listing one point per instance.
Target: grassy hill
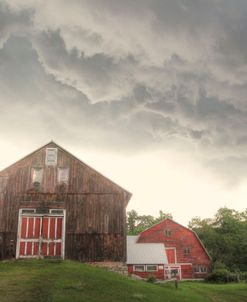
(44, 280)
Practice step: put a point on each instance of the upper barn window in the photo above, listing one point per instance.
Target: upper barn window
(51, 157)
(186, 250)
(37, 175)
(168, 233)
(63, 175)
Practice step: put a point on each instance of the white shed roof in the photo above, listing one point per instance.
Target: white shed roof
(145, 253)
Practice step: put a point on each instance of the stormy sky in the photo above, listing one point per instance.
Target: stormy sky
(152, 93)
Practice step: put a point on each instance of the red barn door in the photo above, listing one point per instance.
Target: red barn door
(40, 236)
(52, 236)
(171, 255)
(29, 239)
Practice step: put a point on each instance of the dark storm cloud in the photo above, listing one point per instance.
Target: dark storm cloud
(12, 21)
(128, 74)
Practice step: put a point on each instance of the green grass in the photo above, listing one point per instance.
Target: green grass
(44, 280)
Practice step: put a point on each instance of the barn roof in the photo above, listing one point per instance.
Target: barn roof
(53, 144)
(145, 253)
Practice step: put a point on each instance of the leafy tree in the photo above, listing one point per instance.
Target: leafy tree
(138, 223)
(132, 218)
(225, 237)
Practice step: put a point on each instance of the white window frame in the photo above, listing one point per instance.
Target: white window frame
(200, 269)
(62, 175)
(37, 174)
(51, 156)
(139, 270)
(153, 270)
(203, 269)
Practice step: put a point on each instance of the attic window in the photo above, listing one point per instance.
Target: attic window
(168, 233)
(186, 250)
(63, 175)
(37, 174)
(51, 157)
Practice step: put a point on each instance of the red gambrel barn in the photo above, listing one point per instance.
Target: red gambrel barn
(54, 205)
(184, 254)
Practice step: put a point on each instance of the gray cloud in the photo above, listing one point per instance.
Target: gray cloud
(128, 75)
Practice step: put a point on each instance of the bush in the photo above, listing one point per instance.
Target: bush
(218, 275)
(151, 279)
(223, 276)
(243, 276)
(219, 265)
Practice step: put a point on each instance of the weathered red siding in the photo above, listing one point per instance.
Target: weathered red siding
(180, 238)
(95, 206)
(186, 271)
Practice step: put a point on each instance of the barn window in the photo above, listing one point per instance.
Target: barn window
(3, 183)
(200, 269)
(28, 211)
(139, 268)
(203, 269)
(168, 233)
(106, 223)
(186, 250)
(152, 268)
(63, 175)
(196, 269)
(37, 175)
(51, 157)
(56, 212)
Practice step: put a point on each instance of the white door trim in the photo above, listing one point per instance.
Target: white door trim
(41, 216)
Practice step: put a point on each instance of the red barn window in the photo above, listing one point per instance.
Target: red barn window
(186, 250)
(168, 233)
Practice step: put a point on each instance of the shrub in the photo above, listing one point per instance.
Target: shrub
(224, 276)
(219, 265)
(151, 279)
(218, 275)
(243, 276)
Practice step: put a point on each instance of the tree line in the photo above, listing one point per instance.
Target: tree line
(224, 235)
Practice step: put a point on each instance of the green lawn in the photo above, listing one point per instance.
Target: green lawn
(44, 280)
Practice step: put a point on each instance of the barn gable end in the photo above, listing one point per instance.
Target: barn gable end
(52, 178)
(182, 246)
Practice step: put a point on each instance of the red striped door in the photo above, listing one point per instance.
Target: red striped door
(40, 236)
(52, 236)
(170, 253)
(30, 231)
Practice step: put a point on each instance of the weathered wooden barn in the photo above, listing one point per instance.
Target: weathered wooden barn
(54, 205)
(184, 254)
